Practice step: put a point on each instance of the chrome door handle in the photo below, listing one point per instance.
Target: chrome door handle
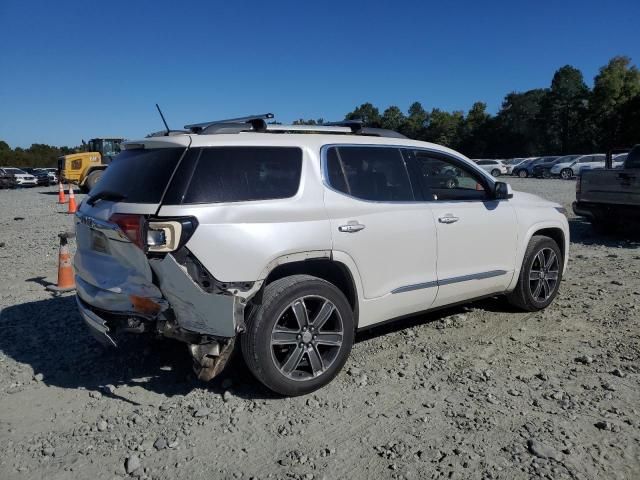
(448, 219)
(351, 227)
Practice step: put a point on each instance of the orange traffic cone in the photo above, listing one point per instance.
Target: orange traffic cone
(72, 201)
(61, 198)
(66, 281)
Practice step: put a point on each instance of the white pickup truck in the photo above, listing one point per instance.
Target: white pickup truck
(610, 197)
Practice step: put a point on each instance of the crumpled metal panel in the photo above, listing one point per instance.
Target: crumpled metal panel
(195, 309)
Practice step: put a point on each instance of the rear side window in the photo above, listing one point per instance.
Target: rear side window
(140, 175)
(237, 174)
(369, 173)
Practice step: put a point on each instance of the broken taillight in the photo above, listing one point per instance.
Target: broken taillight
(132, 226)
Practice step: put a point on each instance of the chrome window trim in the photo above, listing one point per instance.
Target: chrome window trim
(325, 174)
(449, 281)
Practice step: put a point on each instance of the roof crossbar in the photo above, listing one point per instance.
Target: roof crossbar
(357, 128)
(257, 122)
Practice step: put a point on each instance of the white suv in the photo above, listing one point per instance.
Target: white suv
(288, 239)
(567, 170)
(494, 167)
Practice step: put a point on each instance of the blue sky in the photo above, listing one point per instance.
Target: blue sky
(73, 70)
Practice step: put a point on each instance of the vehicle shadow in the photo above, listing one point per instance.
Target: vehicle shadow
(582, 232)
(491, 304)
(50, 336)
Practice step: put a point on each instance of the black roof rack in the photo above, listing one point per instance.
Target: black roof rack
(357, 127)
(256, 122)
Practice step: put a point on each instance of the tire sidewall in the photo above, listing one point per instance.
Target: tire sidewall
(261, 326)
(540, 243)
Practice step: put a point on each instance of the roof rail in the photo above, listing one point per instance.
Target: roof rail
(257, 122)
(357, 127)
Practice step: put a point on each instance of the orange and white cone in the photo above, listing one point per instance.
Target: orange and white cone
(61, 198)
(72, 201)
(66, 280)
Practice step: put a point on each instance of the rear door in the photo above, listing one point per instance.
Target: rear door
(377, 221)
(476, 235)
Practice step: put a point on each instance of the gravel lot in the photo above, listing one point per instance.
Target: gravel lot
(473, 392)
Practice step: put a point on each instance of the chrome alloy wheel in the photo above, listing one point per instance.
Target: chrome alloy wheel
(306, 338)
(543, 275)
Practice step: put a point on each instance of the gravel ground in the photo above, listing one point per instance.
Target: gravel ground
(481, 391)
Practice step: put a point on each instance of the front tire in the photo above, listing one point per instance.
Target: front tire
(540, 275)
(566, 173)
(301, 335)
(523, 174)
(92, 179)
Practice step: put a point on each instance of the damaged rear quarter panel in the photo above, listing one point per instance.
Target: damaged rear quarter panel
(195, 309)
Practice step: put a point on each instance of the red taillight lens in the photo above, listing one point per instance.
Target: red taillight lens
(132, 226)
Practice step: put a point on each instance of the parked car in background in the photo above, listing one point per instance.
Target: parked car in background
(42, 177)
(525, 169)
(610, 198)
(318, 231)
(494, 167)
(7, 180)
(53, 174)
(570, 169)
(23, 179)
(541, 168)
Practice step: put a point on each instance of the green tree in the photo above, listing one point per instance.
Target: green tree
(616, 85)
(366, 112)
(517, 128)
(393, 119)
(445, 127)
(473, 136)
(564, 112)
(416, 122)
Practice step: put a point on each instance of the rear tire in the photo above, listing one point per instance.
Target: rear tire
(92, 179)
(495, 172)
(540, 275)
(281, 346)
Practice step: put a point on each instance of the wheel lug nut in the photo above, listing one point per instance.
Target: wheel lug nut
(301, 345)
(299, 337)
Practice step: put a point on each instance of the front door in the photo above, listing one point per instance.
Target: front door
(476, 234)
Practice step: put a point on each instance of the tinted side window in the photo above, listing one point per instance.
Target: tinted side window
(442, 179)
(236, 174)
(369, 173)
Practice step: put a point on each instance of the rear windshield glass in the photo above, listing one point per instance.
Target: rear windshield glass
(140, 175)
(237, 174)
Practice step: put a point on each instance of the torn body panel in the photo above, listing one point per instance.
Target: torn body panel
(195, 310)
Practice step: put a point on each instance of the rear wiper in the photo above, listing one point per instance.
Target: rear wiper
(106, 195)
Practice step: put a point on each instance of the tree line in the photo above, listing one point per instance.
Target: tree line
(566, 117)
(37, 155)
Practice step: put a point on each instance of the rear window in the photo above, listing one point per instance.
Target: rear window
(237, 174)
(140, 175)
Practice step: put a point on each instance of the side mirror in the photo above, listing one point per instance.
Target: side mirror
(502, 191)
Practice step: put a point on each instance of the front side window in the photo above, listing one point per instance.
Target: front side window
(369, 173)
(443, 179)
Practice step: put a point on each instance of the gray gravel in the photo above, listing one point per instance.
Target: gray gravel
(480, 391)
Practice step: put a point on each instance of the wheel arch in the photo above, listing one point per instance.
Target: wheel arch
(554, 230)
(327, 268)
